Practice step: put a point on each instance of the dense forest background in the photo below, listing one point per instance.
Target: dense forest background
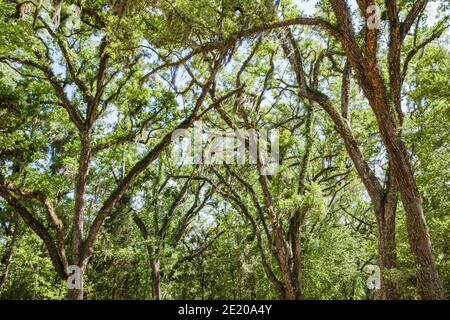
(92, 91)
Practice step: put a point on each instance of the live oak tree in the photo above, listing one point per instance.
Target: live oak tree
(360, 46)
(91, 92)
(96, 71)
(276, 205)
(384, 200)
(169, 203)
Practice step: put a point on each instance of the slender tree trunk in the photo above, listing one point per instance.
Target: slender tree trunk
(387, 253)
(8, 254)
(388, 262)
(156, 278)
(291, 273)
(295, 259)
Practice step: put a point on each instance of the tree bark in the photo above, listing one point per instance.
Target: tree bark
(75, 294)
(155, 263)
(428, 281)
(387, 253)
(8, 254)
(295, 259)
(156, 278)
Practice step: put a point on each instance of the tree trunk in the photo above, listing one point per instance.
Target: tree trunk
(6, 264)
(371, 81)
(8, 254)
(387, 253)
(75, 294)
(388, 262)
(156, 278)
(295, 258)
(428, 281)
